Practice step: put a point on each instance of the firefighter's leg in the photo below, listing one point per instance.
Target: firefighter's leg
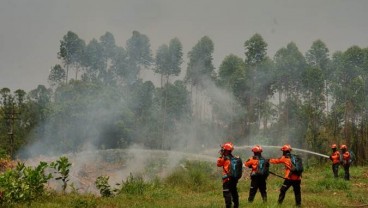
(263, 188)
(253, 189)
(297, 193)
(234, 192)
(335, 169)
(226, 193)
(283, 190)
(347, 173)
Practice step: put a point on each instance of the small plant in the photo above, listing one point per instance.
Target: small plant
(134, 185)
(102, 184)
(63, 168)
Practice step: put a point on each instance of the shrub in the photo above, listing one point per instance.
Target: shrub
(62, 166)
(23, 184)
(196, 175)
(134, 185)
(102, 184)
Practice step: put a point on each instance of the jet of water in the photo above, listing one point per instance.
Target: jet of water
(296, 149)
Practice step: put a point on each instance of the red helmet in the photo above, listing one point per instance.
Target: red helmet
(343, 147)
(334, 146)
(228, 146)
(256, 149)
(286, 147)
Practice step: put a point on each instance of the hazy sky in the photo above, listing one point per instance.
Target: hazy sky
(31, 30)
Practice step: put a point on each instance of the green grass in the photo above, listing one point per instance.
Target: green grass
(199, 185)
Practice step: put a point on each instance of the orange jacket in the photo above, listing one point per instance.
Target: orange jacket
(346, 158)
(224, 162)
(287, 162)
(252, 162)
(335, 157)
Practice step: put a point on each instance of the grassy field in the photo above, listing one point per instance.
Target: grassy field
(199, 185)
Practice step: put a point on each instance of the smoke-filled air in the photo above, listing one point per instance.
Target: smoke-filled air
(125, 111)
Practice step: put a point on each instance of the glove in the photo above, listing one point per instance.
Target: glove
(330, 157)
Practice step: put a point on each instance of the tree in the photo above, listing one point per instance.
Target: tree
(232, 77)
(200, 65)
(107, 42)
(255, 50)
(12, 105)
(258, 80)
(57, 75)
(200, 70)
(139, 52)
(71, 52)
(318, 57)
(313, 106)
(94, 62)
(169, 59)
(120, 66)
(349, 92)
(289, 67)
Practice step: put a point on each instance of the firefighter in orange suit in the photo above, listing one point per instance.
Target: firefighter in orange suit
(258, 180)
(229, 186)
(291, 179)
(345, 161)
(335, 158)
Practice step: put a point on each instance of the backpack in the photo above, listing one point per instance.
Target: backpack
(352, 157)
(296, 165)
(351, 160)
(263, 167)
(236, 168)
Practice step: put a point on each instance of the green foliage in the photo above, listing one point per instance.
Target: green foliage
(134, 185)
(23, 184)
(62, 167)
(193, 175)
(3, 153)
(200, 66)
(102, 184)
(83, 203)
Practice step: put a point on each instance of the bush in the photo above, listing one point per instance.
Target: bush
(23, 184)
(134, 185)
(195, 175)
(102, 184)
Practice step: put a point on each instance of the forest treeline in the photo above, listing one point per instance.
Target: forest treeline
(96, 98)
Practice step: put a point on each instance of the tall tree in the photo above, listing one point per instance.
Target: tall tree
(200, 69)
(120, 67)
(349, 92)
(289, 67)
(168, 62)
(71, 52)
(57, 75)
(108, 45)
(232, 76)
(94, 62)
(200, 66)
(169, 59)
(258, 80)
(318, 57)
(139, 53)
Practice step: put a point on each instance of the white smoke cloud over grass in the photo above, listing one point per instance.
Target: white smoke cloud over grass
(89, 160)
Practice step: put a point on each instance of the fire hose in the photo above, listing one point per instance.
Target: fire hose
(276, 175)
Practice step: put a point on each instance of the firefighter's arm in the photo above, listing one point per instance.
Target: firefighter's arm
(220, 162)
(335, 156)
(346, 155)
(248, 163)
(276, 160)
